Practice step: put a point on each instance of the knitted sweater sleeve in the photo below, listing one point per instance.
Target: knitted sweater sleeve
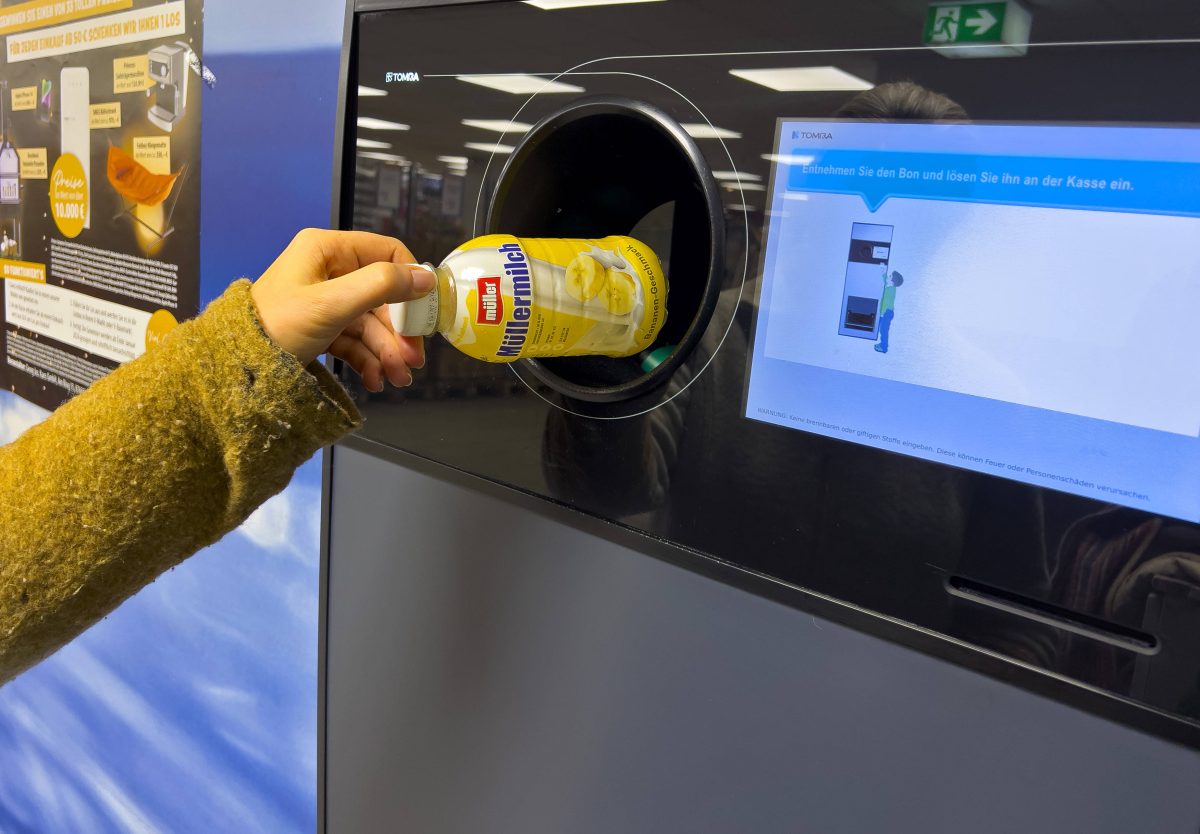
(153, 462)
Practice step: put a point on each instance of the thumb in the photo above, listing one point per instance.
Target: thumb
(348, 296)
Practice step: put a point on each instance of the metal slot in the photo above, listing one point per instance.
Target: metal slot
(1047, 613)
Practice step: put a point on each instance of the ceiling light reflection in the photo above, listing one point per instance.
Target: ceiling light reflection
(735, 176)
(487, 147)
(702, 130)
(379, 124)
(520, 84)
(555, 5)
(383, 157)
(789, 158)
(497, 125)
(803, 79)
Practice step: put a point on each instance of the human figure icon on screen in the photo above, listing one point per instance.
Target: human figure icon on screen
(887, 307)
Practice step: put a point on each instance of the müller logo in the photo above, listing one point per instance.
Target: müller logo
(491, 305)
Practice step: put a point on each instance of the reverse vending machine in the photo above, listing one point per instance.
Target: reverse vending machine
(895, 526)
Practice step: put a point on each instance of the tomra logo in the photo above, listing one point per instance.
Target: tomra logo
(491, 305)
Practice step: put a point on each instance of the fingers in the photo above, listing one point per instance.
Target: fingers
(382, 342)
(340, 253)
(360, 358)
(412, 348)
(347, 297)
(392, 355)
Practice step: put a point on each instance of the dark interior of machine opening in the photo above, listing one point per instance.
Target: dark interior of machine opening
(616, 173)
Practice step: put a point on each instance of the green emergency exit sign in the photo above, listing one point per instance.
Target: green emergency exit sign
(977, 30)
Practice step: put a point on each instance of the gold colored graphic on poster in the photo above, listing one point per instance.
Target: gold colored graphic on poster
(132, 74)
(121, 29)
(37, 13)
(146, 189)
(34, 164)
(22, 271)
(107, 114)
(161, 323)
(69, 195)
(24, 98)
(150, 231)
(153, 152)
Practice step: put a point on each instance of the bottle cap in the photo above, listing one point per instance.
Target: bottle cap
(418, 317)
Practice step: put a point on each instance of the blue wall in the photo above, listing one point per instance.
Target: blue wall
(193, 707)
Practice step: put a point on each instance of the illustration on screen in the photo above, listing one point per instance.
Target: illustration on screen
(870, 251)
(887, 307)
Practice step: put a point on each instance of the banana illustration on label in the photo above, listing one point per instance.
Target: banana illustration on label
(620, 293)
(585, 278)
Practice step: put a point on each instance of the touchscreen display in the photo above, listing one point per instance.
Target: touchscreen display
(1022, 301)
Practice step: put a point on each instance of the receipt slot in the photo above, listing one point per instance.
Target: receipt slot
(609, 165)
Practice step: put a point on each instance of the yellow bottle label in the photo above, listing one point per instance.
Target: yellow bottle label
(543, 297)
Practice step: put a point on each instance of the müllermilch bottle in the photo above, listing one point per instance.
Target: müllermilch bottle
(500, 298)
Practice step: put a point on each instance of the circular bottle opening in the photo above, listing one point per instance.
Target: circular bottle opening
(613, 166)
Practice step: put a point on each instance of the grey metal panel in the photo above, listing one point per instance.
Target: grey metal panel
(492, 670)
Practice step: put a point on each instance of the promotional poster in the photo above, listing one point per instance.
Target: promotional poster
(193, 706)
(99, 186)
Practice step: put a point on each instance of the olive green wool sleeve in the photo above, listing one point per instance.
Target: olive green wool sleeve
(153, 462)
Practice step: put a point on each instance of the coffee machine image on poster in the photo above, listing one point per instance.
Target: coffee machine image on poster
(168, 69)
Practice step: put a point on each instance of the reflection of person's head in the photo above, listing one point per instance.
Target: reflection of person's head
(901, 101)
(897, 279)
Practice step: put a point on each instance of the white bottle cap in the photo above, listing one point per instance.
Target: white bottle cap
(418, 317)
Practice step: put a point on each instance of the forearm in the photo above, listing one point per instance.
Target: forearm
(159, 459)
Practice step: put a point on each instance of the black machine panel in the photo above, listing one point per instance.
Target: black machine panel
(682, 122)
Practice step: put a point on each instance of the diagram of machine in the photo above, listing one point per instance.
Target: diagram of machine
(870, 249)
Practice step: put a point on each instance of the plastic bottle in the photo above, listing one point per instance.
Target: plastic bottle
(500, 298)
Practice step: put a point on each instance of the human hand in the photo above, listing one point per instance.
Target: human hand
(328, 292)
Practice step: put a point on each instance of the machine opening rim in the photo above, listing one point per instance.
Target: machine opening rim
(684, 149)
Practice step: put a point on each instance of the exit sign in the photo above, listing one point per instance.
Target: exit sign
(977, 30)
